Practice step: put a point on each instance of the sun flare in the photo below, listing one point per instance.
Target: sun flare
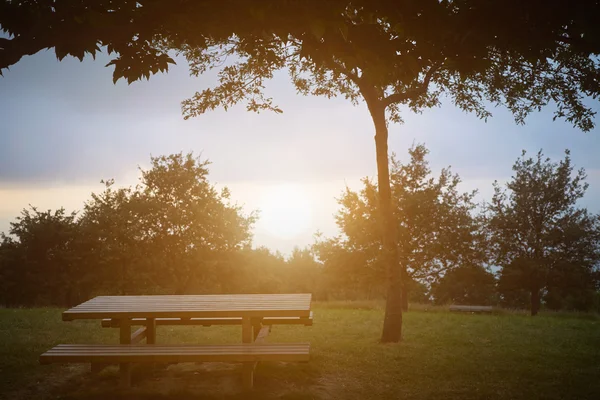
(286, 211)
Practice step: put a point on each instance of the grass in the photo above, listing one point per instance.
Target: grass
(443, 355)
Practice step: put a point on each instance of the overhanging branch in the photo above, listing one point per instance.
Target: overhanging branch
(415, 92)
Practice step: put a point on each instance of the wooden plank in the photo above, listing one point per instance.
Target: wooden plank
(471, 308)
(275, 305)
(124, 354)
(70, 315)
(307, 321)
(139, 335)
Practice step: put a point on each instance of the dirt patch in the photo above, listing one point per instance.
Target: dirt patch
(177, 381)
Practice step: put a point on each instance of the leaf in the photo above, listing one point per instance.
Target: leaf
(60, 53)
(116, 76)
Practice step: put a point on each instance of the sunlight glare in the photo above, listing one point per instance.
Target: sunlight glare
(286, 211)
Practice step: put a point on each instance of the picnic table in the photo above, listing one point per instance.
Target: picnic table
(256, 313)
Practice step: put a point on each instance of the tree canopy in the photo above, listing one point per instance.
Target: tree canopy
(538, 235)
(437, 230)
(521, 54)
(168, 234)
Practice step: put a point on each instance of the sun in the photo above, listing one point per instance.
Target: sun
(286, 211)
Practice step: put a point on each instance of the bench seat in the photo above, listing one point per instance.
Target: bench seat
(124, 353)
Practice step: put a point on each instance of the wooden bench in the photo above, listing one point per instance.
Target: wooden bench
(477, 309)
(307, 321)
(124, 354)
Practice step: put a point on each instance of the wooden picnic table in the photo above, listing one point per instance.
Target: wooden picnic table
(249, 310)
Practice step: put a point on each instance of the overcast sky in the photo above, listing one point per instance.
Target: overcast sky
(64, 126)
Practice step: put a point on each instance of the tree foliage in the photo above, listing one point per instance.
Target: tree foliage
(175, 233)
(42, 244)
(539, 236)
(169, 234)
(520, 54)
(436, 230)
(466, 284)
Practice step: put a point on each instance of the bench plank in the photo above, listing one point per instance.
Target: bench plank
(149, 353)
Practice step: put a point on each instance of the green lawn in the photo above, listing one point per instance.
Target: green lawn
(443, 355)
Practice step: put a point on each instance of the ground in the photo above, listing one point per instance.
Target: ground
(443, 355)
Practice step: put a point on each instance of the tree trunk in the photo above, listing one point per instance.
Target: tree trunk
(535, 301)
(392, 324)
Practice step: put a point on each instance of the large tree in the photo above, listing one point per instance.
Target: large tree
(538, 234)
(192, 225)
(172, 231)
(388, 54)
(436, 230)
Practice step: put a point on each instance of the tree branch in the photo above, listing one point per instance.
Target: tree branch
(411, 93)
(350, 74)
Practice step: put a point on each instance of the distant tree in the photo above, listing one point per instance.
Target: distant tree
(348, 273)
(188, 221)
(10, 277)
(418, 292)
(539, 236)
(467, 285)
(436, 230)
(303, 273)
(510, 288)
(389, 54)
(257, 270)
(39, 261)
(112, 224)
(171, 231)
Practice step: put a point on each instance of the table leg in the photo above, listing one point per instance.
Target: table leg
(125, 338)
(151, 331)
(248, 369)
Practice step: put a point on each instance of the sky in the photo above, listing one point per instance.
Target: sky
(64, 126)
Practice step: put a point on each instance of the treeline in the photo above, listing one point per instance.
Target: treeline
(174, 233)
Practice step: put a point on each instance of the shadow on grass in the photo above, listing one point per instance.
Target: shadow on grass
(195, 381)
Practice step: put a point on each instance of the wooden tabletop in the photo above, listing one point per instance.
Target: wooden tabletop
(192, 306)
